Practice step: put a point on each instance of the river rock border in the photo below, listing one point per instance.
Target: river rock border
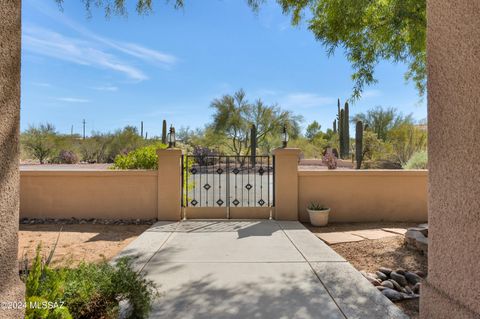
(397, 284)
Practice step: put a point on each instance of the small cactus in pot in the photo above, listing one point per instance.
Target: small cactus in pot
(318, 213)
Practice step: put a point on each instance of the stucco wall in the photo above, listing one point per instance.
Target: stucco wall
(11, 288)
(453, 51)
(89, 194)
(365, 195)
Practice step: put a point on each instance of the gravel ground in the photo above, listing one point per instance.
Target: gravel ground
(77, 242)
(369, 255)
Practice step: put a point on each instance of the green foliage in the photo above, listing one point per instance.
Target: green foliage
(310, 149)
(87, 291)
(313, 130)
(44, 285)
(374, 148)
(419, 160)
(39, 141)
(316, 206)
(123, 141)
(118, 7)
(141, 158)
(234, 116)
(381, 121)
(407, 139)
(368, 31)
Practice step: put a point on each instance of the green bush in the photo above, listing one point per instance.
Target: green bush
(141, 158)
(418, 160)
(87, 291)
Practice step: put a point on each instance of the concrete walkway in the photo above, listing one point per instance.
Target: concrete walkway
(251, 269)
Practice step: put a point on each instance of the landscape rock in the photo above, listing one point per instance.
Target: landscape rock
(420, 273)
(388, 284)
(373, 280)
(400, 279)
(408, 290)
(381, 288)
(416, 288)
(400, 271)
(407, 296)
(395, 284)
(422, 244)
(385, 270)
(412, 278)
(392, 294)
(381, 275)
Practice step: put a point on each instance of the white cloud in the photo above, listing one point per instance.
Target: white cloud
(72, 100)
(109, 88)
(52, 44)
(305, 100)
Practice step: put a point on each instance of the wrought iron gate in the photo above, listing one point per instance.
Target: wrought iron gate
(228, 181)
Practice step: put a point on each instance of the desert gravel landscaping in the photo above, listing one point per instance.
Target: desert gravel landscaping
(78, 242)
(370, 254)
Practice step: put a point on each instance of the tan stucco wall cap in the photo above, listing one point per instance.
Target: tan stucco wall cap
(367, 173)
(286, 151)
(87, 173)
(169, 152)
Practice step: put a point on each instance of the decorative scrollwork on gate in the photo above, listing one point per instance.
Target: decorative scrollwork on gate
(228, 181)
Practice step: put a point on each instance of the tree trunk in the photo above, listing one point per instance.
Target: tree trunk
(11, 288)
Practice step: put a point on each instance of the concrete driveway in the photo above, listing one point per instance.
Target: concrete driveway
(251, 269)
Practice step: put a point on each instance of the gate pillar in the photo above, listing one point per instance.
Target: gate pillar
(286, 183)
(169, 184)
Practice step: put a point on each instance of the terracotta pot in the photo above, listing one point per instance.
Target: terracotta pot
(318, 217)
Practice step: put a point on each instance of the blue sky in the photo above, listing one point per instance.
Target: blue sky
(172, 64)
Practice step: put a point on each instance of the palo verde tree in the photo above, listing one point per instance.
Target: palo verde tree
(382, 120)
(234, 116)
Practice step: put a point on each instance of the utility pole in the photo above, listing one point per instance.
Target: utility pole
(141, 129)
(83, 128)
(71, 131)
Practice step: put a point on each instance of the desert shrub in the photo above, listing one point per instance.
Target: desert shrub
(65, 157)
(87, 291)
(123, 141)
(203, 155)
(141, 158)
(418, 160)
(406, 140)
(40, 141)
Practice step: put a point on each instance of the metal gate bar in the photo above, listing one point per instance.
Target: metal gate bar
(227, 181)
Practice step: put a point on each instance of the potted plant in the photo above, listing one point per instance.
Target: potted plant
(318, 214)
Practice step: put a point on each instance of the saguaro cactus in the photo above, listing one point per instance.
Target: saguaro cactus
(164, 132)
(346, 132)
(253, 143)
(343, 122)
(341, 132)
(359, 144)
